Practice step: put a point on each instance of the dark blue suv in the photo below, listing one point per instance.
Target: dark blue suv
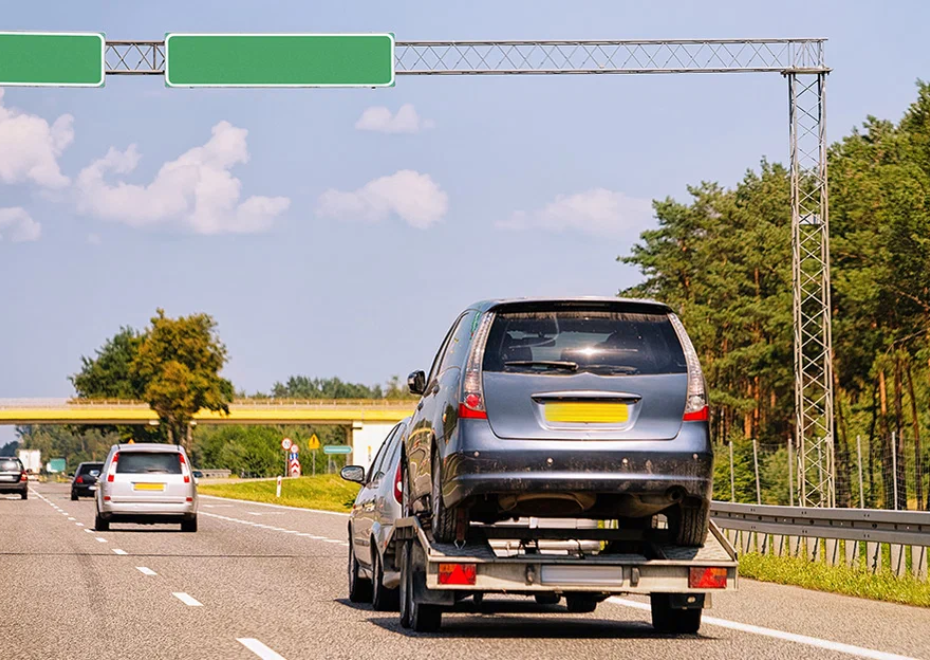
(581, 407)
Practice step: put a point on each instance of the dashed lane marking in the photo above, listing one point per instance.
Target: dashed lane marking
(119, 552)
(839, 647)
(145, 571)
(101, 540)
(272, 528)
(186, 599)
(259, 649)
(89, 531)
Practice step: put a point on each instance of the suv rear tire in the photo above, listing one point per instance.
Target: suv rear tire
(74, 496)
(442, 522)
(24, 495)
(359, 587)
(189, 524)
(688, 525)
(100, 524)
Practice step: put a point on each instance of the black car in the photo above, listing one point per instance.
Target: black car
(584, 407)
(85, 480)
(13, 477)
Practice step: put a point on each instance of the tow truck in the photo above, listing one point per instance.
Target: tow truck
(586, 566)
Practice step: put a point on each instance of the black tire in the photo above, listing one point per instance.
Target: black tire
(421, 618)
(688, 525)
(442, 522)
(477, 597)
(24, 495)
(580, 603)
(74, 496)
(548, 599)
(189, 524)
(404, 591)
(359, 587)
(382, 598)
(100, 524)
(665, 619)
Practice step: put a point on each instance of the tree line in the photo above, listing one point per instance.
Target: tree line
(723, 258)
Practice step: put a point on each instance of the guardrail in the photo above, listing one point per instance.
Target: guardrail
(849, 536)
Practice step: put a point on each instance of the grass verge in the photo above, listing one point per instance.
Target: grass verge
(328, 492)
(799, 572)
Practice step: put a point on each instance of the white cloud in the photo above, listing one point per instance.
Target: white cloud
(196, 191)
(30, 147)
(378, 118)
(16, 223)
(93, 239)
(597, 211)
(412, 196)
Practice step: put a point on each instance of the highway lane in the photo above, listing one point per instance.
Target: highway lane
(275, 578)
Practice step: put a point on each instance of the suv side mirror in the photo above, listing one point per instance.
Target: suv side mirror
(416, 382)
(354, 473)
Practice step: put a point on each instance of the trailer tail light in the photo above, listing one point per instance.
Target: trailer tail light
(707, 578)
(399, 485)
(111, 473)
(472, 404)
(463, 574)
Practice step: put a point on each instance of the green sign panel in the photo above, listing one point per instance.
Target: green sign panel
(46, 59)
(279, 60)
(56, 465)
(337, 449)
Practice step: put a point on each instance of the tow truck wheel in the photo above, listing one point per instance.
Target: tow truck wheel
(359, 587)
(419, 617)
(675, 621)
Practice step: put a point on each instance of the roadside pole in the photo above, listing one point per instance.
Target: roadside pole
(732, 476)
(278, 489)
(790, 471)
(894, 468)
(755, 465)
(859, 461)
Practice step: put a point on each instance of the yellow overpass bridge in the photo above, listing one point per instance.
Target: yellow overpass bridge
(260, 411)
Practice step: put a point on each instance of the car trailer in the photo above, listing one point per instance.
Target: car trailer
(679, 580)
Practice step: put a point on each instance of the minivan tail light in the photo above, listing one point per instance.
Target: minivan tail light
(696, 402)
(399, 485)
(111, 473)
(187, 476)
(472, 405)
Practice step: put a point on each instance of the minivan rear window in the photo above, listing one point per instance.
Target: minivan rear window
(10, 466)
(148, 463)
(564, 341)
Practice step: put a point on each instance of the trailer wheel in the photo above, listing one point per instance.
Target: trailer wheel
(675, 621)
(359, 587)
(382, 598)
(418, 616)
(580, 603)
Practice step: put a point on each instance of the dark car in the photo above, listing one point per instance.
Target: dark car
(584, 407)
(85, 480)
(13, 477)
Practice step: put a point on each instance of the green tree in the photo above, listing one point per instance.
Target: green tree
(108, 375)
(179, 361)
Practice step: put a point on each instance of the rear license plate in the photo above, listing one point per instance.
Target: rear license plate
(582, 575)
(587, 413)
(159, 487)
(5, 477)
(91, 488)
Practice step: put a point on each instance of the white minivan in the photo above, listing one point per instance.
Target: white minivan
(146, 483)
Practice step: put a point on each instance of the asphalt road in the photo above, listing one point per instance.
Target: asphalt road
(257, 581)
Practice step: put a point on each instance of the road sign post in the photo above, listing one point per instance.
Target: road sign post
(313, 444)
(286, 445)
(279, 60)
(49, 59)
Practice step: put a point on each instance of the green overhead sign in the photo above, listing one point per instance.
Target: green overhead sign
(279, 60)
(337, 449)
(52, 59)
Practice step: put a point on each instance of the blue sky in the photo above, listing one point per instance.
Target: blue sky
(348, 252)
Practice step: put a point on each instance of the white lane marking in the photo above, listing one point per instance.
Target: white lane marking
(259, 649)
(265, 513)
(79, 524)
(839, 647)
(271, 528)
(71, 519)
(89, 531)
(277, 506)
(145, 571)
(331, 541)
(100, 539)
(120, 552)
(186, 599)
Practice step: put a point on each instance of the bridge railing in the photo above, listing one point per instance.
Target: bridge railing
(280, 403)
(854, 537)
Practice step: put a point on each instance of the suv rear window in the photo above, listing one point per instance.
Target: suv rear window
(597, 341)
(148, 463)
(10, 465)
(89, 468)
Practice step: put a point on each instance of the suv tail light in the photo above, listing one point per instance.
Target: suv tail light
(184, 470)
(24, 476)
(111, 472)
(399, 485)
(696, 404)
(79, 480)
(472, 405)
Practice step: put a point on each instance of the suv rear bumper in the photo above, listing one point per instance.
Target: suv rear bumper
(14, 487)
(634, 477)
(147, 512)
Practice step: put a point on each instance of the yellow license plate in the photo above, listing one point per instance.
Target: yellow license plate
(148, 486)
(587, 413)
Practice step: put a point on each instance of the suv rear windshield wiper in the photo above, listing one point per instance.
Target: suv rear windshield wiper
(612, 368)
(545, 364)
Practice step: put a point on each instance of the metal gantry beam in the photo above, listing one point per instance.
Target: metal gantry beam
(801, 61)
